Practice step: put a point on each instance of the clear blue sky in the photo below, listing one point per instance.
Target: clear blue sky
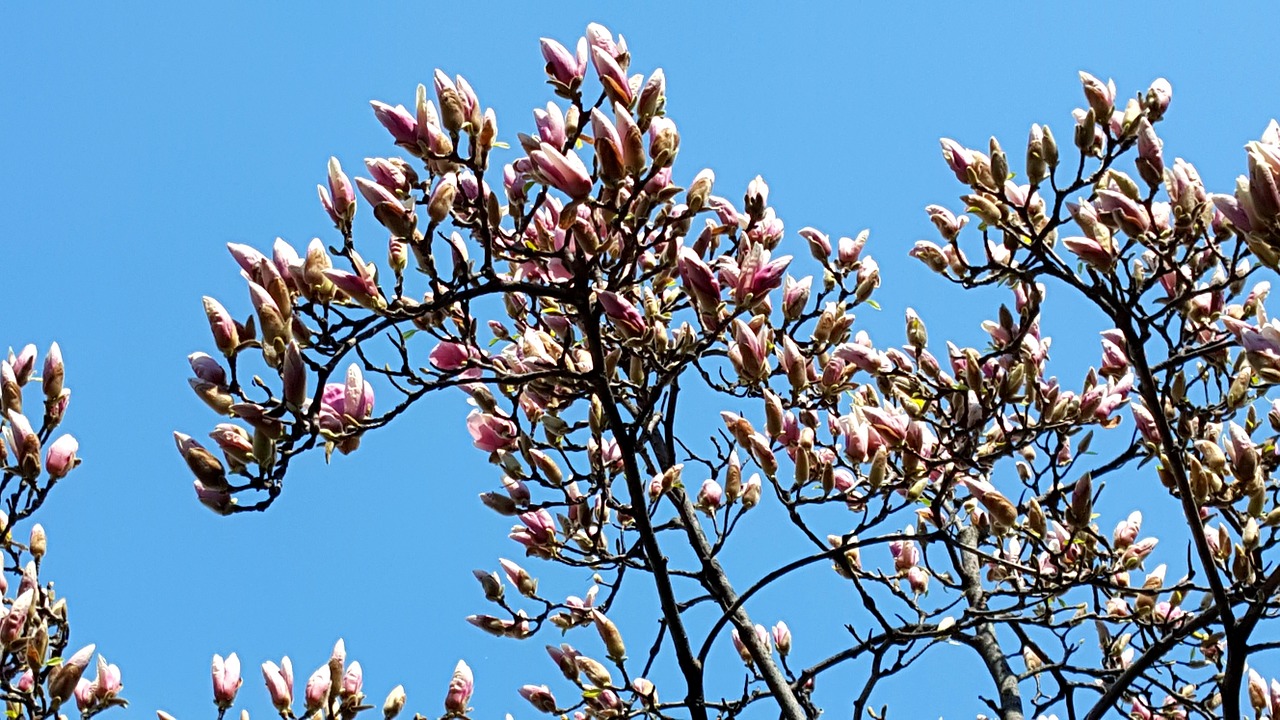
(138, 139)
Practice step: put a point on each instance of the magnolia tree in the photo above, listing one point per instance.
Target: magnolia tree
(593, 309)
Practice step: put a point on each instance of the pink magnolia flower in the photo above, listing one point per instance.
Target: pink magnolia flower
(460, 688)
(538, 530)
(490, 432)
(339, 199)
(351, 401)
(906, 554)
(226, 680)
(316, 693)
(565, 68)
(757, 274)
(698, 279)
(23, 364)
(398, 121)
(540, 697)
(710, 497)
(61, 457)
(563, 171)
(279, 680)
(84, 694)
(623, 313)
(819, 243)
(449, 356)
(352, 680)
(1124, 211)
(612, 76)
(107, 685)
(1095, 254)
(958, 158)
(1159, 95)
(782, 638)
(1101, 97)
(1115, 360)
(1127, 531)
(751, 491)
(743, 651)
(918, 579)
(225, 333)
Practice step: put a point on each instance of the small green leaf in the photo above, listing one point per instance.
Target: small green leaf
(405, 335)
(503, 145)
(875, 305)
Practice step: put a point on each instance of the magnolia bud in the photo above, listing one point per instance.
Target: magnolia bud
(394, 703)
(611, 637)
(39, 542)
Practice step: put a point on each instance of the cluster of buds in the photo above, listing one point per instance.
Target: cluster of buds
(22, 448)
(334, 690)
(1254, 209)
(33, 623)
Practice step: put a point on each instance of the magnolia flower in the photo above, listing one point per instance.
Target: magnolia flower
(490, 432)
(279, 680)
(563, 171)
(710, 497)
(460, 688)
(540, 697)
(782, 638)
(563, 67)
(226, 680)
(316, 693)
(61, 457)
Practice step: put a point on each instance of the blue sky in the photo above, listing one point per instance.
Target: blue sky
(138, 140)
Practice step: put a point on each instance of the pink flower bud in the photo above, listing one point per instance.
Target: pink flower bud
(540, 697)
(1158, 98)
(710, 497)
(1099, 256)
(316, 693)
(1127, 531)
(490, 432)
(107, 685)
(51, 380)
(61, 457)
(85, 695)
(449, 356)
(26, 444)
(24, 364)
(279, 679)
(339, 200)
(1101, 97)
(460, 688)
(353, 681)
(819, 243)
(612, 76)
(782, 638)
(751, 491)
(519, 577)
(398, 121)
(564, 68)
(918, 579)
(563, 171)
(225, 333)
(1259, 698)
(64, 680)
(226, 680)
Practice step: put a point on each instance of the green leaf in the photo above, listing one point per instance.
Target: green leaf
(503, 145)
(406, 334)
(873, 304)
